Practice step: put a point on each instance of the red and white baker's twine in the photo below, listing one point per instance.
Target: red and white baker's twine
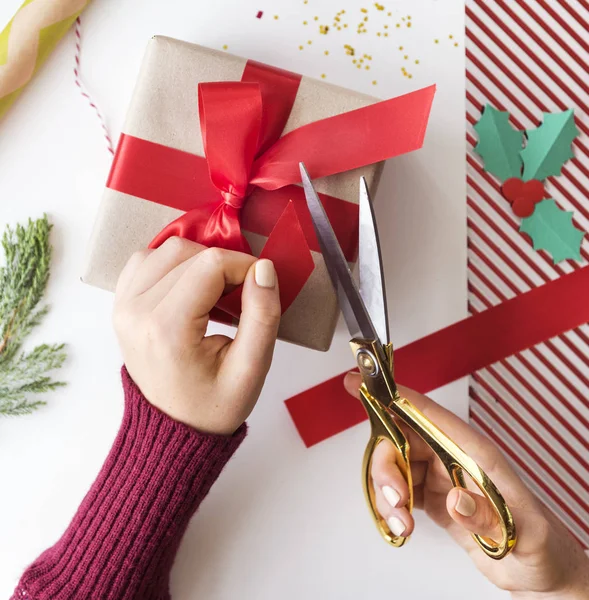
(84, 92)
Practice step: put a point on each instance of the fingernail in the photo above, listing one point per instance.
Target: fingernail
(465, 505)
(265, 274)
(396, 526)
(391, 495)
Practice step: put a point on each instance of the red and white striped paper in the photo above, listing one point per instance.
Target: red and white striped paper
(530, 57)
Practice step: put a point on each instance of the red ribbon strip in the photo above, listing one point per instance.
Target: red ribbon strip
(249, 172)
(454, 352)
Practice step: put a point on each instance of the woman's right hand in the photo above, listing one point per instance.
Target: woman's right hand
(547, 563)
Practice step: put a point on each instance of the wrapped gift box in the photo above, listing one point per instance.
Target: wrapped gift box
(163, 128)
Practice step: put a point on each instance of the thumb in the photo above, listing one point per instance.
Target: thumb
(249, 357)
(473, 512)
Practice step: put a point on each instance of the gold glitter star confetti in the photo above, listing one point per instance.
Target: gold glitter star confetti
(367, 13)
(225, 46)
(276, 17)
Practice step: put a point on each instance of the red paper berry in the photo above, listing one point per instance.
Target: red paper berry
(523, 195)
(523, 207)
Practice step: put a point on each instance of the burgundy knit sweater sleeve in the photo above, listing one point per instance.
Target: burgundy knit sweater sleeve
(122, 541)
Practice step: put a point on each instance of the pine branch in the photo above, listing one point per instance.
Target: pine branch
(23, 281)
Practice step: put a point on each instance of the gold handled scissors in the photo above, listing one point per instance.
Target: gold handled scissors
(365, 312)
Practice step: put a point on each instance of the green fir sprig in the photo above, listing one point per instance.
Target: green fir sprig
(23, 279)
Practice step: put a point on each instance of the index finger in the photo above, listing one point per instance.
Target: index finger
(202, 283)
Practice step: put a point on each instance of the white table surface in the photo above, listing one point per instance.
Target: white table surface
(283, 521)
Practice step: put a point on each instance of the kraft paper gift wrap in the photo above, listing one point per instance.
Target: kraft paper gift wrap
(164, 110)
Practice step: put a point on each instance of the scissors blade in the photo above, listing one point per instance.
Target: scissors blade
(372, 286)
(349, 298)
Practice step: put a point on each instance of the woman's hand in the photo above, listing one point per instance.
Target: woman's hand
(162, 306)
(547, 563)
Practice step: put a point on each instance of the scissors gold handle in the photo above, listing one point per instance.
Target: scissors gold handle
(382, 402)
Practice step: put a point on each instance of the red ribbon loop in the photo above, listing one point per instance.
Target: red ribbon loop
(230, 116)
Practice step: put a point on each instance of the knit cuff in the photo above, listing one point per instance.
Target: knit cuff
(122, 542)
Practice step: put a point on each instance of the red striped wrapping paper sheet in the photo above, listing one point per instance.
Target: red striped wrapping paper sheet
(528, 58)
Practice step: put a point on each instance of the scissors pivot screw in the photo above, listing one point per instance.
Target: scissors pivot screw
(367, 363)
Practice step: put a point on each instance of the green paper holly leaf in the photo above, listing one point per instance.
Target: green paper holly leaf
(499, 144)
(549, 146)
(552, 229)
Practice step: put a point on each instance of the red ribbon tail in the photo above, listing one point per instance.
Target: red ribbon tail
(286, 240)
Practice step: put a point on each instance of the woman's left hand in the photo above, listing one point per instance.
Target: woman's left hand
(162, 306)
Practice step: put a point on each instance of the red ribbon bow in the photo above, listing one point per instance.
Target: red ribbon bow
(250, 170)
